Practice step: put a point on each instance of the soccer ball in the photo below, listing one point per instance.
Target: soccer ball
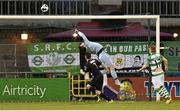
(44, 8)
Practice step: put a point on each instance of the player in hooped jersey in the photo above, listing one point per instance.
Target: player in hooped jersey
(154, 61)
(96, 48)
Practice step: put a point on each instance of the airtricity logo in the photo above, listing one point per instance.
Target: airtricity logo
(23, 90)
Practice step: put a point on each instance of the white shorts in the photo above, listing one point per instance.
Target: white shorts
(158, 81)
(106, 59)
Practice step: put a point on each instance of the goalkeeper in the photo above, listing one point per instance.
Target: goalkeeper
(96, 48)
(154, 61)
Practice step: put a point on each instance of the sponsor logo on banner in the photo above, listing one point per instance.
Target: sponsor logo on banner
(53, 58)
(34, 89)
(119, 61)
(25, 90)
(169, 85)
(37, 60)
(69, 59)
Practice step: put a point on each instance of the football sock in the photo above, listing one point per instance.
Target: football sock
(163, 92)
(103, 72)
(113, 74)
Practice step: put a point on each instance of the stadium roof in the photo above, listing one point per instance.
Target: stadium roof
(95, 30)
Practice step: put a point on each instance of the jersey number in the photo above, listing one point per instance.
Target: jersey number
(157, 65)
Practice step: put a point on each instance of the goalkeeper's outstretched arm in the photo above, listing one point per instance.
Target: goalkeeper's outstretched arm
(82, 35)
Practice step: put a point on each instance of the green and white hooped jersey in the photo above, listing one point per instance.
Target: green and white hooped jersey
(155, 61)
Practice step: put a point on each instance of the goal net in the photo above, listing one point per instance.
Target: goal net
(44, 44)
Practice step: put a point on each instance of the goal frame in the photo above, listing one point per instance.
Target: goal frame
(75, 17)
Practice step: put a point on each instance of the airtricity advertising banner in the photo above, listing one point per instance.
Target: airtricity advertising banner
(34, 89)
(54, 57)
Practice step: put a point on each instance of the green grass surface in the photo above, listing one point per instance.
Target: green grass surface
(92, 105)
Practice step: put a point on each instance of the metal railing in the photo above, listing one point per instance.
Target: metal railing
(13, 58)
(56, 7)
(78, 87)
(6, 75)
(164, 8)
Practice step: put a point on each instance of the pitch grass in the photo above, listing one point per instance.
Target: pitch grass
(92, 105)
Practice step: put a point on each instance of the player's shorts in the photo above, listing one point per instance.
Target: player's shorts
(105, 58)
(158, 81)
(97, 82)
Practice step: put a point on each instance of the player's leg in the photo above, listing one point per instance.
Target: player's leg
(163, 92)
(104, 58)
(114, 74)
(158, 82)
(103, 72)
(99, 85)
(105, 80)
(100, 94)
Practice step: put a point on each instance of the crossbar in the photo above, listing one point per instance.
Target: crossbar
(70, 17)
